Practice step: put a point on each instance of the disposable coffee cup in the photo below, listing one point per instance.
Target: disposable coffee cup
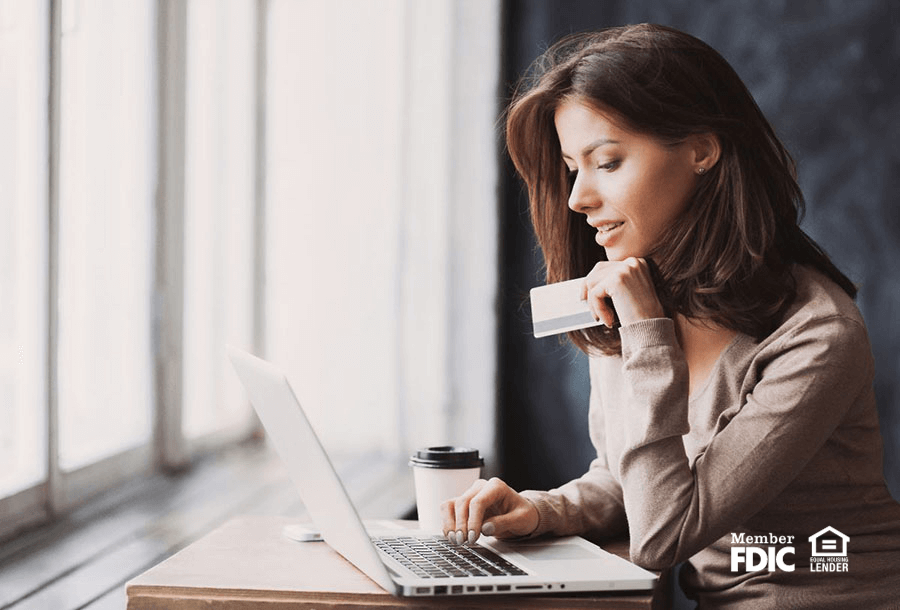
(442, 473)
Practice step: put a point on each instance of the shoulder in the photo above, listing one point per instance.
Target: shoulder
(819, 297)
(823, 324)
(819, 303)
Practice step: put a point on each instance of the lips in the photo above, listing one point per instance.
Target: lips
(606, 227)
(606, 232)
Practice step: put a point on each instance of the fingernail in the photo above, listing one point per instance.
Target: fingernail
(472, 537)
(487, 529)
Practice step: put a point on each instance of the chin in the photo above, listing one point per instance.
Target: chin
(614, 255)
(617, 253)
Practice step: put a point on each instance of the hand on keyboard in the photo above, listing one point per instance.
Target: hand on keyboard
(490, 507)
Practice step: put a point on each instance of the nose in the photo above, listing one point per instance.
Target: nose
(583, 197)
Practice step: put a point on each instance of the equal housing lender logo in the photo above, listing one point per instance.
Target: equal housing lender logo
(829, 551)
(773, 552)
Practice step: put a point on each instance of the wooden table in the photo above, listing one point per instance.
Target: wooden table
(248, 563)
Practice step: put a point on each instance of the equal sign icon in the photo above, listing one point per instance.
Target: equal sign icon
(829, 545)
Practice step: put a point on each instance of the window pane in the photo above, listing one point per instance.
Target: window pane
(219, 210)
(107, 181)
(23, 243)
(333, 213)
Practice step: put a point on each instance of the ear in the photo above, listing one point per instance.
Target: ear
(706, 149)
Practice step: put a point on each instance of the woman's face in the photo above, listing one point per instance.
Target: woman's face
(631, 187)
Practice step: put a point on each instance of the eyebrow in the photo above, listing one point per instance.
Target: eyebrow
(593, 146)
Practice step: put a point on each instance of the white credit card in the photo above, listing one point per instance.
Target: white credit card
(558, 308)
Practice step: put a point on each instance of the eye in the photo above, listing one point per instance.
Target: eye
(610, 166)
(571, 175)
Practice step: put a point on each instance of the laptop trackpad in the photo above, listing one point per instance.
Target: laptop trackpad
(572, 559)
(565, 551)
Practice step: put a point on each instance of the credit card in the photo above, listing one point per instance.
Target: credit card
(558, 308)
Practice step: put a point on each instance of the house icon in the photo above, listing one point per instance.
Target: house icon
(829, 543)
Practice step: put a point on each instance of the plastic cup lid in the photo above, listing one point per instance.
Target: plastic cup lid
(447, 457)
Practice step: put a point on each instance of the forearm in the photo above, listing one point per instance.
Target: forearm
(658, 483)
(590, 506)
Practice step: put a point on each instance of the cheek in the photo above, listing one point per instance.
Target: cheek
(670, 189)
(644, 197)
(651, 205)
(632, 191)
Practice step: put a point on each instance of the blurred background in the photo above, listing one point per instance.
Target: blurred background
(324, 183)
(822, 74)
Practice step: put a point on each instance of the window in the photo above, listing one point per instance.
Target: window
(23, 244)
(96, 243)
(219, 210)
(381, 217)
(105, 230)
(313, 181)
(333, 151)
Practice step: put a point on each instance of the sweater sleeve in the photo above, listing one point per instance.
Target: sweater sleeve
(591, 505)
(805, 385)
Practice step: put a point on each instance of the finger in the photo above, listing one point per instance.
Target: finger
(448, 517)
(476, 515)
(461, 512)
(601, 306)
(596, 291)
(590, 288)
(488, 528)
(462, 518)
(595, 311)
(515, 523)
(499, 526)
(490, 496)
(611, 312)
(639, 270)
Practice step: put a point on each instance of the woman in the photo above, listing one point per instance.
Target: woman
(731, 378)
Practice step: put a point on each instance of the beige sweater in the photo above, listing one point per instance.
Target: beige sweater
(782, 439)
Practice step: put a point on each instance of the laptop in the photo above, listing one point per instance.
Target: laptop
(414, 562)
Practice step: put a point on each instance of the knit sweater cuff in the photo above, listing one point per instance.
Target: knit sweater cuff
(547, 515)
(647, 333)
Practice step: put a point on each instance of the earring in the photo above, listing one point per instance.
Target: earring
(701, 171)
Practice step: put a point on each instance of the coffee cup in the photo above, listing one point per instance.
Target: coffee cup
(442, 473)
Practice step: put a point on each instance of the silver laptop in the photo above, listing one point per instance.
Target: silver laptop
(417, 563)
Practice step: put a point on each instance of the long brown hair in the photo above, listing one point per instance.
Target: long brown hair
(728, 258)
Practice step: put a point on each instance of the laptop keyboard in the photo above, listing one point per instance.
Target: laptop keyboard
(438, 558)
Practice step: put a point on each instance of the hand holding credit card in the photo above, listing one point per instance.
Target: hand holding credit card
(559, 308)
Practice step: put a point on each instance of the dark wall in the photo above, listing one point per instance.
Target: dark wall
(825, 74)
